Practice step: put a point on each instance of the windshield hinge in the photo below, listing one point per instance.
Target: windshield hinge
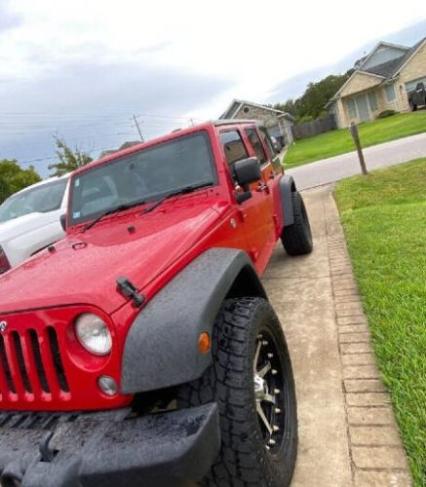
(129, 290)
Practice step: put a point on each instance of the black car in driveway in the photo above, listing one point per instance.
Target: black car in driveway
(417, 97)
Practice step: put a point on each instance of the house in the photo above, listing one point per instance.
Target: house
(380, 81)
(278, 123)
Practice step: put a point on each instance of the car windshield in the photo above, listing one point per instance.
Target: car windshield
(40, 199)
(144, 176)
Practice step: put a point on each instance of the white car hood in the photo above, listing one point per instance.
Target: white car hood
(12, 229)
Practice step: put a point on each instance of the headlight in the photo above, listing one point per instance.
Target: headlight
(93, 333)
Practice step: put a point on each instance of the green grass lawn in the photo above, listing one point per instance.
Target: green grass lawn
(340, 141)
(384, 217)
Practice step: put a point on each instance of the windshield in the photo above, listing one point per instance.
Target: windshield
(40, 199)
(146, 175)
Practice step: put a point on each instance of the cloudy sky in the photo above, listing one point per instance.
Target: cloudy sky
(81, 69)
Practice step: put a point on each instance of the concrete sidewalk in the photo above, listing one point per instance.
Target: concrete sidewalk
(348, 435)
(339, 167)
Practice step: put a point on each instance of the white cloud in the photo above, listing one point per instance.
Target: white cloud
(257, 43)
(252, 45)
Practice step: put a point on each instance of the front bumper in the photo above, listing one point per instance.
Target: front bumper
(110, 449)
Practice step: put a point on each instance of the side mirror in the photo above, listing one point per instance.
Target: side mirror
(63, 220)
(247, 171)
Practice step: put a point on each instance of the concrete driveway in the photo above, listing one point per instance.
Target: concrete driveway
(339, 167)
(347, 431)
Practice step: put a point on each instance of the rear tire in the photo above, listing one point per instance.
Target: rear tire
(247, 456)
(297, 238)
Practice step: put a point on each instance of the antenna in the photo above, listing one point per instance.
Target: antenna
(138, 128)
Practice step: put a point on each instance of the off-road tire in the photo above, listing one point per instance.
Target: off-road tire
(244, 459)
(297, 238)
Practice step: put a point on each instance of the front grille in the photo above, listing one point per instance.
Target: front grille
(31, 366)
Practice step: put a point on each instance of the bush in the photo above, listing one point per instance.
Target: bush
(386, 113)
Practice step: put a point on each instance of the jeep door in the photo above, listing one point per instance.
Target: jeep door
(256, 211)
(258, 147)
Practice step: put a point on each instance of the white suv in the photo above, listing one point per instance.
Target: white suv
(30, 220)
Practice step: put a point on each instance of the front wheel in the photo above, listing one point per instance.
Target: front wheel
(251, 379)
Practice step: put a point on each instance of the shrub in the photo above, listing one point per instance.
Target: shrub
(386, 113)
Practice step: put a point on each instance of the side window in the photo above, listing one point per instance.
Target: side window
(390, 92)
(257, 145)
(267, 141)
(234, 146)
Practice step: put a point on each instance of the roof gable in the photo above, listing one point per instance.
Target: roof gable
(388, 68)
(237, 104)
(382, 53)
(360, 81)
(348, 86)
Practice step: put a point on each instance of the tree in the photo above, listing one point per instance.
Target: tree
(69, 160)
(311, 104)
(290, 106)
(13, 178)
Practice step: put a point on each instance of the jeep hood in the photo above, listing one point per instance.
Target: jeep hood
(84, 267)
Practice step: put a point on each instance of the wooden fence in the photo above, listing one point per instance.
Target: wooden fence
(309, 129)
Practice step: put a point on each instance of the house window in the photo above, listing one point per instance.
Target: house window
(233, 146)
(351, 108)
(372, 98)
(390, 92)
(256, 144)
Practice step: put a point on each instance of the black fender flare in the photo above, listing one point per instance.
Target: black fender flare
(287, 187)
(161, 348)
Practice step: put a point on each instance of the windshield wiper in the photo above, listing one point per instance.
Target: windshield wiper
(185, 190)
(116, 209)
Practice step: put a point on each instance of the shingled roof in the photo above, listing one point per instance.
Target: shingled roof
(390, 68)
(387, 70)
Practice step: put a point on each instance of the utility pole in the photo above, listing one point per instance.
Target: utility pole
(138, 128)
(355, 135)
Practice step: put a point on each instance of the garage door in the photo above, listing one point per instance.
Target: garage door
(412, 84)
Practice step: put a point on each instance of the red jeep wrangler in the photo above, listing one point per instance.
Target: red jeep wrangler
(142, 350)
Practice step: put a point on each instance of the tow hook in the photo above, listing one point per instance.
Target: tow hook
(47, 454)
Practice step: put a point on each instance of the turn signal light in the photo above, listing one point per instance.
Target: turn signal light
(4, 263)
(204, 342)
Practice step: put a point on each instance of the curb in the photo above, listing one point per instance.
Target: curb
(376, 452)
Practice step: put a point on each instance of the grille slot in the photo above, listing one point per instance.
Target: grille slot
(21, 361)
(5, 366)
(31, 366)
(57, 360)
(41, 373)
